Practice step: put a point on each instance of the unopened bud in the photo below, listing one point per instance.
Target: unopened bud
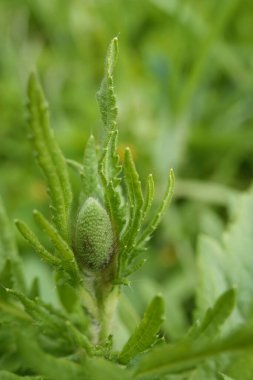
(93, 239)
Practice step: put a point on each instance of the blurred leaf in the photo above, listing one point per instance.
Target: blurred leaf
(186, 355)
(9, 253)
(229, 263)
(214, 317)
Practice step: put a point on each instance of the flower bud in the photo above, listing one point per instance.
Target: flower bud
(93, 239)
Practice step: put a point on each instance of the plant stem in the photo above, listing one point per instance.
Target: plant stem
(106, 313)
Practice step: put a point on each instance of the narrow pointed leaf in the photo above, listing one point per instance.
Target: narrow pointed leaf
(49, 155)
(132, 180)
(135, 267)
(149, 195)
(89, 173)
(109, 166)
(36, 245)
(62, 247)
(8, 250)
(160, 212)
(136, 202)
(215, 316)
(109, 163)
(75, 165)
(109, 171)
(105, 95)
(80, 339)
(145, 334)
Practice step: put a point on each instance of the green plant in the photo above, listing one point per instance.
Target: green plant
(98, 237)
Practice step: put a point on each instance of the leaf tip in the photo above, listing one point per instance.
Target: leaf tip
(32, 82)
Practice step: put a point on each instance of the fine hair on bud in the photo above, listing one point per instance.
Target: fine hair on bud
(93, 240)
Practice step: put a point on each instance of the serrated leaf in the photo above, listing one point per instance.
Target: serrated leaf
(52, 323)
(109, 166)
(145, 334)
(89, 173)
(135, 267)
(55, 368)
(160, 212)
(136, 201)
(105, 95)
(180, 357)
(215, 317)
(65, 254)
(109, 163)
(9, 252)
(49, 156)
(229, 263)
(148, 196)
(109, 170)
(132, 180)
(32, 239)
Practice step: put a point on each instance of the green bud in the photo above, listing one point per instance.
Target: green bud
(93, 241)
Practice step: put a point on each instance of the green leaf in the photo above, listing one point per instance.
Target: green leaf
(132, 180)
(109, 170)
(225, 377)
(5, 375)
(49, 156)
(215, 317)
(229, 263)
(9, 252)
(149, 195)
(206, 370)
(105, 95)
(75, 165)
(145, 334)
(80, 339)
(89, 173)
(135, 267)
(109, 163)
(180, 357)
(136, 201)
(225, 264)
(55, 368)
(34, 290)
(240, 367)
(212, 279)
(36, 245)
(160, 212)
(65, 253)
(53, 323)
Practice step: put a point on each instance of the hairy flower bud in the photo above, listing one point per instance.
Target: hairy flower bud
(93, 239)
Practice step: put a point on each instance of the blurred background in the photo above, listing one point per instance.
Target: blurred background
(185, 95)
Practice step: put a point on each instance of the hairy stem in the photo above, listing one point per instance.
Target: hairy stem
(106, 312)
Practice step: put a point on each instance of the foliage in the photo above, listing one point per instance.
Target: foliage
(40, 340)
